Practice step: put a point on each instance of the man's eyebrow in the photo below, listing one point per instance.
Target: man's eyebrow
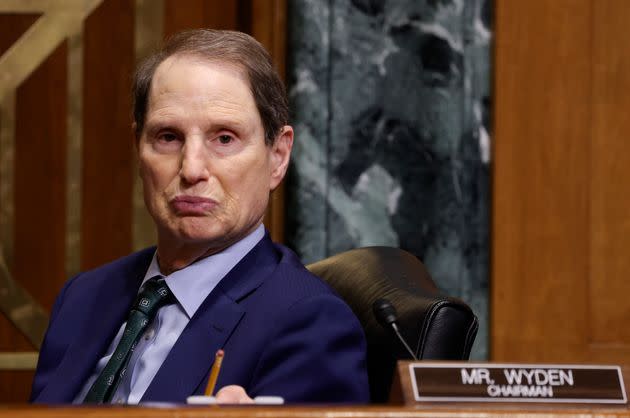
(214, 124)
(156, 125)
(218, 122)
(229, 124)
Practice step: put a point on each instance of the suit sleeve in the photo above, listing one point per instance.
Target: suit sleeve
(50, 353)
(316, 354)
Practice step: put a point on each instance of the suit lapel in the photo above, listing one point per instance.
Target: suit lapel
(189, 361)
(118, 290)
(185, 366)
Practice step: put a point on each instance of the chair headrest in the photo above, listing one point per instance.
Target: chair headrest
(363, 275)
(436, 326)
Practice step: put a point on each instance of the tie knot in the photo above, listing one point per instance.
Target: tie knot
(154, 294)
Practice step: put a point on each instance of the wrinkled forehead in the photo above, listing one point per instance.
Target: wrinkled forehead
(193, 77)
(165, 67)
(187, 89)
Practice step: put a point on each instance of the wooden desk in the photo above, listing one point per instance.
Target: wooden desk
(440, 411)
(425, 410)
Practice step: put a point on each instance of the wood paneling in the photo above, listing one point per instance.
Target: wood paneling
(211, 14)
(610, 178)
(40, 181)
(268, 27)
(106, 230)
(560, 218)
(13, 26)
(13, 385)
(39, 193)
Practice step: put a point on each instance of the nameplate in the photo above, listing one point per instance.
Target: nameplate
(541, 383)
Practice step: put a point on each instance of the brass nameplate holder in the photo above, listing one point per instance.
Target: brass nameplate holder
(493, 382)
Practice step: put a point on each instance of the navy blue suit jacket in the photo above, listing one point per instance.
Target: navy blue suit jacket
(284, 333)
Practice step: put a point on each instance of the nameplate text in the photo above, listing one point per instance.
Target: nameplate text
(491, 382)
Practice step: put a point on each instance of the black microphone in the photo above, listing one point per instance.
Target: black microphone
(385, 314)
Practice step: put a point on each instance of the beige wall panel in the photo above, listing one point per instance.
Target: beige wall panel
(541, 169)
(610, 180)
(561, 214)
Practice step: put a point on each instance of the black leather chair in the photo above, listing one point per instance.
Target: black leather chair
(437, 327)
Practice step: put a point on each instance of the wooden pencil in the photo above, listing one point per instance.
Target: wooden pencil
(214, 373)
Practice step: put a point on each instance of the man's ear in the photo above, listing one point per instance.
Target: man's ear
(280, 156)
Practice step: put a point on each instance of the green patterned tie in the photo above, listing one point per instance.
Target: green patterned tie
(155, 294)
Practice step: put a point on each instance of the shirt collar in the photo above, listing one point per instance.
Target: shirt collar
(192, 284)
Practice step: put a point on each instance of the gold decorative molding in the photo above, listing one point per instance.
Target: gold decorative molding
(40, 40)
(18, 361)
(20, 307)
(44, 6)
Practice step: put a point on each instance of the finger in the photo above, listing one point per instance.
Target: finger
(233, 394)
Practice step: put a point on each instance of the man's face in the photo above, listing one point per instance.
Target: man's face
(206, 170)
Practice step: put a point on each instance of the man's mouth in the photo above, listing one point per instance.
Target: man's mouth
(192, 205)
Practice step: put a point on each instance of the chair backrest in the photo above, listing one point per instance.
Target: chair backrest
(436, 326)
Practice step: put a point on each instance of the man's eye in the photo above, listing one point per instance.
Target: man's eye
(167, 137)
(225, 139)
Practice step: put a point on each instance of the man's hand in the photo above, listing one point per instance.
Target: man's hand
(233, 394)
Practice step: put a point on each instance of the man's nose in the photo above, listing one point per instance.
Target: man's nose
(194, 165)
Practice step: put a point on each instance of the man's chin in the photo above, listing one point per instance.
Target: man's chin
(195, 238)
(193, 231)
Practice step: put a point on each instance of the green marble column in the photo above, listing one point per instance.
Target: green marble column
(391, 104)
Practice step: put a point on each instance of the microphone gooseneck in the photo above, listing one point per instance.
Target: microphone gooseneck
(385, 314)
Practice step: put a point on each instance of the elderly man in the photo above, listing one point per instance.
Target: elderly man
(213, 142)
